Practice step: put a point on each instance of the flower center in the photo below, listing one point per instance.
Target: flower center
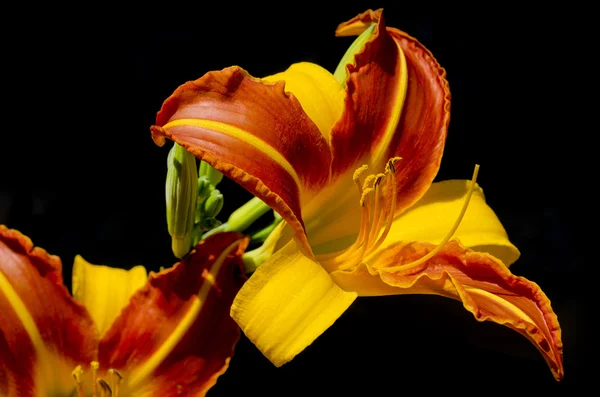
(378, 206)
(100, 388)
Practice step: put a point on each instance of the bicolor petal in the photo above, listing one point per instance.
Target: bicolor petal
(176, 335)
(104, 290)
(430, 219)
(397, 105)
(287, 303)
(253, 132)
(483, 284)
(321, 96)
(44, 334)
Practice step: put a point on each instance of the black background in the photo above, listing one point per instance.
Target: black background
(81, 175)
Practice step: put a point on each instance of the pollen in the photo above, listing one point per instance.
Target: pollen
(100, 387)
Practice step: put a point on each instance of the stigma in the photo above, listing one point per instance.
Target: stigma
(100, 387)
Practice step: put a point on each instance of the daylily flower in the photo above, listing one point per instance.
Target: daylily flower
(349, 164)
(123, 334)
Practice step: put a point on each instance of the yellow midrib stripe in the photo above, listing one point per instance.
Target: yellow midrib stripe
(184, 325)
(396, 110)
(243, 136)
(21, 312)
(503, 302)
(30, 327)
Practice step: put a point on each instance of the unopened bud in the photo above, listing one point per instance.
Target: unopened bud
(181, 189)
(213, 204)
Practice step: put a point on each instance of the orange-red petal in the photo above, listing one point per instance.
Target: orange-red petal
(371, 125)
(253, 132)
(176, 334)
(41, 327)
(484, 285)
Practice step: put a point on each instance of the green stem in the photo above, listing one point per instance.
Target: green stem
(253, 259)
(241, 218)
(262, 234)
(247, 214)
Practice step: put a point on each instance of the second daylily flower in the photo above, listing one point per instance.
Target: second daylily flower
(348, 161)
(124, 334)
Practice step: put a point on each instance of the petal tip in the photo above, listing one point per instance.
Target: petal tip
(158, 135)
(359, 23)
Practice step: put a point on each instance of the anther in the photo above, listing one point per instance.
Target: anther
(115, 386)
(356, 177)
(390, 165)
(378, 180)
(367, 188)
(106, 391)
(95, 365)
(76, 373)
(359, 171)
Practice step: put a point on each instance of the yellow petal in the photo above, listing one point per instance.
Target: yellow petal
(321, 96)
(104, 290)
(432, 217)
(287, 303)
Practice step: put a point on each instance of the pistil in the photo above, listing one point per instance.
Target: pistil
(432, 253)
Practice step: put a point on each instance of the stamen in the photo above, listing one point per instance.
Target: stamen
(451, 232)
(359, 171)
(106, 391)
(389, 216)
(373, 219)
(390, 164)
(115, 386)
(356, 178)
(95, 365)
(76, 373)
(367, 188)
(376, 221)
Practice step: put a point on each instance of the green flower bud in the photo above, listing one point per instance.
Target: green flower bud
(181, 189)
(204, 188)
(181, 246)
(213, 204)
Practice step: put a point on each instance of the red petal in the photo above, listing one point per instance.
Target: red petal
(254, 133)
(193, 357)
(484, 285)
(367, 128)
(67, 332)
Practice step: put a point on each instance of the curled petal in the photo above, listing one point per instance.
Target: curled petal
(44, 333)
(483, 284)
(176, 334)
(397, 104)
(287, 303)
(253, 132)
(105, 290)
